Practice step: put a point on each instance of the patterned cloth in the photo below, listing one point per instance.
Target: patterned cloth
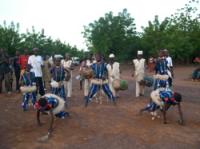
(28, 79)
(166, 96)
(52, 103)
(162, 69)
(58, 75)
(100, 72)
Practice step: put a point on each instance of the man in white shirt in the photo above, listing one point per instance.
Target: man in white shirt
(67, 64)
(36, 62)
(170, 66)
(139, 72)
(113, 72)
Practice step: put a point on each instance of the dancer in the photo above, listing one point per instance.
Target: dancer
(28, 87)
(99, 80)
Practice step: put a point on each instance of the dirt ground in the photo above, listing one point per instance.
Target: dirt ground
(106, 126)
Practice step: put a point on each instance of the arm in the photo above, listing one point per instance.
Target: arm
(51, 123)
(38, 118)
(181, 121)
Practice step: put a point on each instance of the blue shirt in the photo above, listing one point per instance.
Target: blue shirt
(58, 73)
(161, 67)
(100, 70)
(28, 78)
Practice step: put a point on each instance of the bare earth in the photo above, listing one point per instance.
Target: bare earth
(106, 126)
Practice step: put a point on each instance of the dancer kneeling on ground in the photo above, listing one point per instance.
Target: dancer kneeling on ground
(163, 99)
(99, 80)
(53, 105)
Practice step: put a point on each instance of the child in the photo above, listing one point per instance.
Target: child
(58, 77)
(28, 81)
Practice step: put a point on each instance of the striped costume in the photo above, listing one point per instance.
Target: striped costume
(162, 69)
(58, 75)
(99, 81)
(28, 79)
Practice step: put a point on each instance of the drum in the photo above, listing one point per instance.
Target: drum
(87, 73)
(120, 84)
(28, 89)
(54, 84)
(67, 75)
(148, 81)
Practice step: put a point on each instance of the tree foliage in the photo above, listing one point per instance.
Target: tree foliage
(178, 33)
(11, 40)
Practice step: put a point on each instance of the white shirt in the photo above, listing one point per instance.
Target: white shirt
(169, 61)
(139, 68)
(66, 64)
(114, 70)
(36, 62)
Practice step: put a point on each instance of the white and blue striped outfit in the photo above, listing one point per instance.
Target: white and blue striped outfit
(58, 75)
(28, 79)
(100, 73)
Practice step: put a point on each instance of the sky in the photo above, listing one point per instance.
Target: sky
(64, 19)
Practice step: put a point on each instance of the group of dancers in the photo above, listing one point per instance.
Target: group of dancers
(100, 79)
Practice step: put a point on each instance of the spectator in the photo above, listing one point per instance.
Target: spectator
(36, 62)
(23, 60)
(139, 68)
(16, 66)
(3, 64)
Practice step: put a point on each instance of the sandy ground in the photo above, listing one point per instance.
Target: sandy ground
(106, 126)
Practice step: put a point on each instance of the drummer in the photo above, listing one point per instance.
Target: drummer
(114, 72)
(28, 80)
(85, 65)
(99, 80)
(67, 64)
(58, 76)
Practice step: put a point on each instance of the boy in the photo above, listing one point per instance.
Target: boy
(28, 80)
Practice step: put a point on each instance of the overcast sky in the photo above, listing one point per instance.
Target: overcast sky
(64, 19)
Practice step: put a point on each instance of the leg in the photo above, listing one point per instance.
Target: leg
(137, 87)
(141, 90)
(40, 85)
(51, 123)
(86, 87)
(108, 92)
(33, 95)
(166, 107)
(1, 82)
(38, 118)
(17, 76)
(81, 84)
(62, 92)
(7, 85)
(25, 101)
(69, 87)
(93, 90)
(181, 121)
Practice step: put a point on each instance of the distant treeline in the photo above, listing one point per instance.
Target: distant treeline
(179, 33)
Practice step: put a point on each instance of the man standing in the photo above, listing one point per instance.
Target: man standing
(3, 61)
(16, 66)
(170, 66)
(67, 64)
(23, 61)
(139, 68)
(114, 72)
(36, 62)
